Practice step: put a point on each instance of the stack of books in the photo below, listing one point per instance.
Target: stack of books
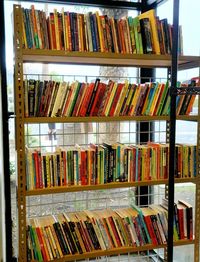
(92, 32)
(106, 163)
(65, 234)
(79, 99)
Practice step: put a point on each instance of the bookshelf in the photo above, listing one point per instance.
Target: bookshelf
(23, 56)
(108, 59)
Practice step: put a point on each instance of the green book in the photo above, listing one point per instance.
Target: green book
(164, 93)
(138, 36)
(151, 97)
(78, 86)
(37, 244)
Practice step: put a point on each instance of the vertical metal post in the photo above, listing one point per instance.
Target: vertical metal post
(5, 141)
(172, 130)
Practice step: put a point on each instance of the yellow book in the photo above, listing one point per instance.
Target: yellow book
(134, 100)
(65, 26)
(100, 32)
(79, 32)
(152, 18)
(129, 36)
(23, 30)
(111, 99)
(121, 99)
(48, 170)
(57, 30)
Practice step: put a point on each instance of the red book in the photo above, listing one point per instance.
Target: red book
(116, 99)
(35, 157)
(110, 219)
(86, 100)
(52, 31)
(83, 168)
(98, 99)
(180, 221)
(44, 255)
(189, 216)
(150, 229)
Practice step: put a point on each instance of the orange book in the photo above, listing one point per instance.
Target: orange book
(121, 36)
(52, 31)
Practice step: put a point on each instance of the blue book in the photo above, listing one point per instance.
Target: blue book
(94, 40)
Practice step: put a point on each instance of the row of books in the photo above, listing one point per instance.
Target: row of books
(65, 234)
(55, 99)
(70, 31)
(106, 163)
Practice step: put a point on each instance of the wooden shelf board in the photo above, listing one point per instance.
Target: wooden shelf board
(98, 58)
(103, 119)
(116, 251)
(65, 189)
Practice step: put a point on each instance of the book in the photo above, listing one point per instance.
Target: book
(153, 25)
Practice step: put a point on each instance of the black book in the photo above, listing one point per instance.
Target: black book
(166, 36)
(187, 99)
(92, 235)
(68, 235)
(73, 232)
(31, 97)
(39, 96)
(63, 238)
(146, 36)
(45, 170)
(109, 175)
(71, 17)
(60, 239)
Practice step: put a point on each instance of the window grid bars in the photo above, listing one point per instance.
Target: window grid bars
(114, 198)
